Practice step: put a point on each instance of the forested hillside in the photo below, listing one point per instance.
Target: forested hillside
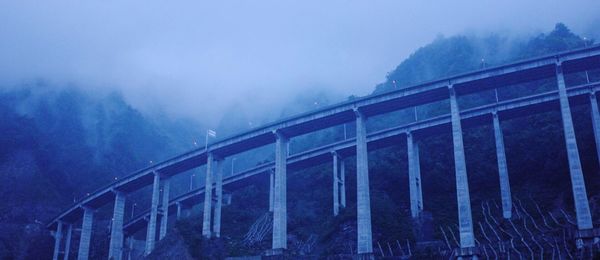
(458, 54)
(536, 159)
(58, 145)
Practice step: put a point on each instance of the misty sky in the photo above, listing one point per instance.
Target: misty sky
(198, 58)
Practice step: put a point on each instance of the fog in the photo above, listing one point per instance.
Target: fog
(198, 59)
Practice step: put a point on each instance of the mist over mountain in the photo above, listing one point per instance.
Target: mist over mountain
(539, 176)
(463, 53)
(200, 60)
(59, 144)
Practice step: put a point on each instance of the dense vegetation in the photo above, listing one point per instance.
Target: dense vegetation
(536, 159)
(57, 146)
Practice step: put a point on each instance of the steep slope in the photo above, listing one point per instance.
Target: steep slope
(59, 145)
(537, 163)
(458, 54)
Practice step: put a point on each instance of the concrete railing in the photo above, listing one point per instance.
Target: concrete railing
(554, 66)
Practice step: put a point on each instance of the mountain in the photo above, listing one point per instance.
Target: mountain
(58, 145)
(61, 143)
(459, 54)
(539, 175)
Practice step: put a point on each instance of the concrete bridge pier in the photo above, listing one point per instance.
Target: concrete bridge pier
(505, 194)
(363, 199)
(57, 240)
(206, 223)
(178, 211)
(414, 177)
(129, 240)
(86, 233)
(336, 183)
(279, 195)
(151, 229)
(218, 198)
(271, 189)
(342, 183)
(467, 248)
(68, 242)
(164, 220)
(115, 250)
(339, 187)
(417, 160)
(582, 208)
(595, 122)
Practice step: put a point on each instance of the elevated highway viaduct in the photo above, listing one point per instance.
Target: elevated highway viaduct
(556, 71)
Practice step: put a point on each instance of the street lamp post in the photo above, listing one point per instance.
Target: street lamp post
(209, 133)
(133, 209)
(232, 161)
(192, 181)
(587, 76)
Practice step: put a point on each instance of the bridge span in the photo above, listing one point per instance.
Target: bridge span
(561, 96)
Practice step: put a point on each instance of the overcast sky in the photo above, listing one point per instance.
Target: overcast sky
(198, 58)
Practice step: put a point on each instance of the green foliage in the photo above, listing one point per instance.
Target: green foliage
(560, 39)
(537, 163)
(68, 144)
(198, 247)
(459, 54)
(60, 145)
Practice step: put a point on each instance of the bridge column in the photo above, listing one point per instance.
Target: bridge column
(414, 176)
(57, 239)
(467, 238)
(418, 175)
(219, 198)
(582, 209)
(68, 241)
(336, 183)
(279, 195)
(86, 234)
(363, 200)
(271, 188)
(342, 183)
(151, 229)
(130, 251)
(208, 197)
(164, 220)
(595, 122)
(115, 250)
(502, 169)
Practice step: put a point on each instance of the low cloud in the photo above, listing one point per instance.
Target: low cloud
(198, 59)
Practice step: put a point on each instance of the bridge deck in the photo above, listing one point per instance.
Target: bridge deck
(496, 77)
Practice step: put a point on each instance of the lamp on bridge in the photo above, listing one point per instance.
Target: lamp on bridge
(209, 133)
(232, 161)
